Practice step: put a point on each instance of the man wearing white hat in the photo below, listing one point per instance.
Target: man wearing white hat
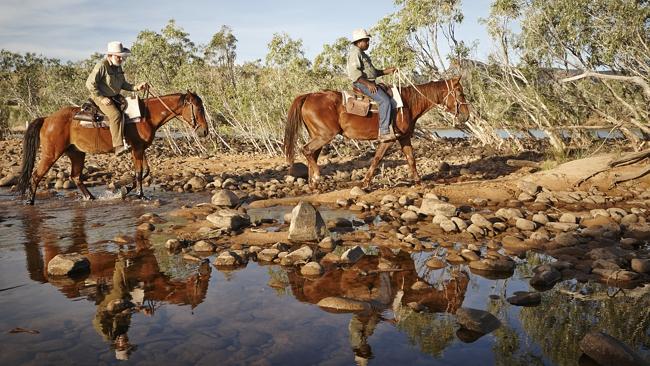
(105, 83)
(363, 75)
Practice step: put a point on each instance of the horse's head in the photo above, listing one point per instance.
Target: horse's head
(454, 100)
(194, 113)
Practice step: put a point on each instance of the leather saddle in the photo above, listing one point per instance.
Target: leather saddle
(360, 104)
(90, 112)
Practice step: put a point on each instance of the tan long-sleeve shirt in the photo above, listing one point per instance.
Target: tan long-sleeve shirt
(359, 65)
(107, 80)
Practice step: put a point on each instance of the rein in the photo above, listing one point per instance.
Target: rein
(178, 115)
(450, 91)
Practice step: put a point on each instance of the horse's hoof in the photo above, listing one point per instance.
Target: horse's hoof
(124, 192)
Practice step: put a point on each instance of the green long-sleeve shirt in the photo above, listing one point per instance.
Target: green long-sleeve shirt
(107, 80)
(359, 65)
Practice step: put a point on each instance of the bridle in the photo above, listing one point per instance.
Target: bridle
(453, 92)
(179, 116)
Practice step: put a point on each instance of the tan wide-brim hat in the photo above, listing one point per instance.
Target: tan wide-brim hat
(116, 48)
(359, 34)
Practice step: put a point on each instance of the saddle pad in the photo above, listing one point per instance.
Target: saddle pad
(132, 115)
(396, 100)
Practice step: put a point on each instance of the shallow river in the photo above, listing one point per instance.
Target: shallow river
(188, 313)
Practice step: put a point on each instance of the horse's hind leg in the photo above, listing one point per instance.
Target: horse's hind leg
(379, 154)
(45, 162)
(77, 159)
(311, 151)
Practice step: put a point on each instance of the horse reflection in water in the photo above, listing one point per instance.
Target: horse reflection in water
(120, 283)
(380, 291)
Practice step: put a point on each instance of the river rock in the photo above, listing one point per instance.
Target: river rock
(477, 320)
(306, 223)
(523, 298)
(565, 240)
(545, 277)
(615, 275)
(561, 226)
(299, 170)
(301, 255)
(529, 187)
(268, 254)
(640, 265)
(525, 225)
(409, 217)
(460, 223)
(469, 255)
(311, 269)
(607, 350)
(225, 198)
(433, 207)
(68, 264)
(540, 218)
(197, 183)
(356, 192)
(508, 213)
(229, 219)
(480, 221)
(203, 246)
(352, 255)
(640, 231)
(493, 265)
(435, 263)
(568, 218)
(448, 226)
(327, 243)
(229, 258)
(146, 226)
(342, 304)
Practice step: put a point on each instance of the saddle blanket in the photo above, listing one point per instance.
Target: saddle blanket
(132, 114)
(395, 101)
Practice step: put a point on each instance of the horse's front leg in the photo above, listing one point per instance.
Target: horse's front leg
(138, 164)
(407, 149)
(379, 154)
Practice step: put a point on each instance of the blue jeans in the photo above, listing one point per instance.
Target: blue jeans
(384, 106)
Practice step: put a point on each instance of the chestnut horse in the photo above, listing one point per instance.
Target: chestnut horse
(324, 115)
(60, 134)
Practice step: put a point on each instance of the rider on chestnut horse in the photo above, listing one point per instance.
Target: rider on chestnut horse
(363, 75)
(105, 83)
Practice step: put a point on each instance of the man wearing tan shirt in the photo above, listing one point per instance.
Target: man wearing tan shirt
(363, 75)
(105, 83)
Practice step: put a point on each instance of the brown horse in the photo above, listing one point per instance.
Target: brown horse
(60, 134)
(324, 115)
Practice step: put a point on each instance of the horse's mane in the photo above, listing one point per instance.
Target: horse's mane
(420, 98)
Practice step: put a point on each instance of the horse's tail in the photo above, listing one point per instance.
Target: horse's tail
(30, 146)
(294, 122)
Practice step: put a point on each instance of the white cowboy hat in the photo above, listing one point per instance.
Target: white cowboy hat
(116, 48)
(359, 34)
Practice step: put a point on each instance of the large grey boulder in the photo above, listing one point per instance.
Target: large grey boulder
(306, 223)
(477, 320)
(68, 264)
(229, 219)
(433, 207)
(607, 350)
(225, 198)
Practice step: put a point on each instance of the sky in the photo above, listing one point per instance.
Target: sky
(75, 29)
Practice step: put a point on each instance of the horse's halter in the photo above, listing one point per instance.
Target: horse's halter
(453, 92)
